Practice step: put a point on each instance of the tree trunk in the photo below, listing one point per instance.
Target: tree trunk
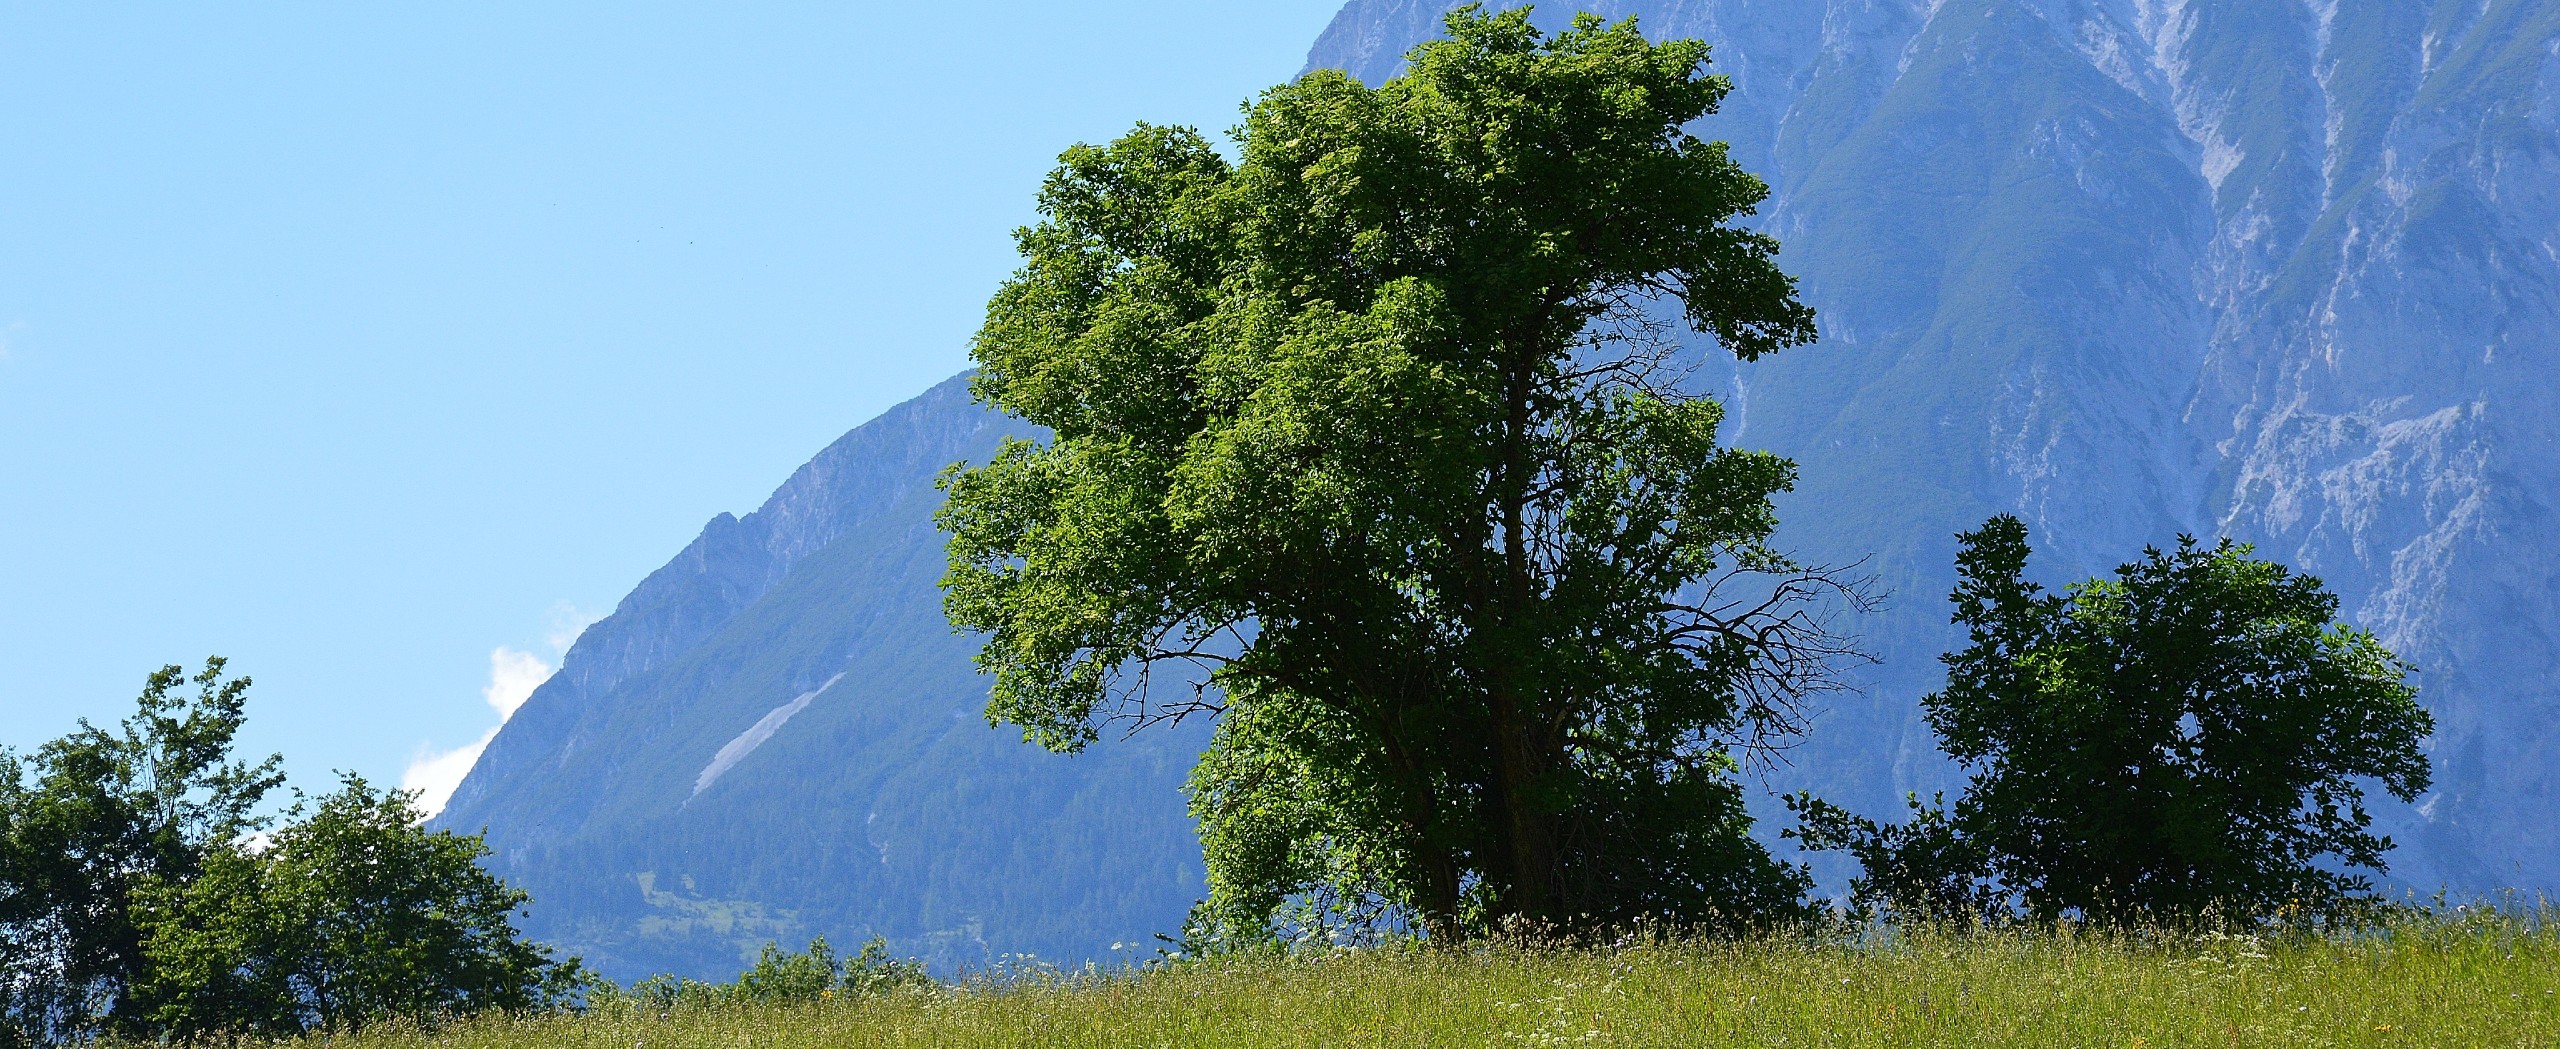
(1520, 764)
(1439, 905)
(1536, 889)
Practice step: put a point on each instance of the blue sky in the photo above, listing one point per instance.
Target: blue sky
(379, 347)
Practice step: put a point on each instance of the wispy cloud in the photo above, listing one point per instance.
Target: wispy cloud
(567, 621)
(434, 774)
(513, 676)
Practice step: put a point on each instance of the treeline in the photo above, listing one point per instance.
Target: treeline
(143, 895)
(1386, 424)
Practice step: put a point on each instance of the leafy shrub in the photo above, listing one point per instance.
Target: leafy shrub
(778, 976)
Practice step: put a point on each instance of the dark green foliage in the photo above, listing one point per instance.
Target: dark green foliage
(1374, 424)
(350, 917)
(92, 817)
(131, 903)
(2186, 741)
(1927, 870)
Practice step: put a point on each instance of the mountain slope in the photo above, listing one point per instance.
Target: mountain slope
(778, 736)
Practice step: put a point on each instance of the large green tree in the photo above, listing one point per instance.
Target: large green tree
(2188, 740)
(354, 915)
(89, 818)
(1381, 424)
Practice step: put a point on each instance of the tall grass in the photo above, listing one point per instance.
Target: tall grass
(2458, 978)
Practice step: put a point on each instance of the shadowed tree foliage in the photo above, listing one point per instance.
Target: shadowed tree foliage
(1381, 425)
(94, 815)
(2186, 741)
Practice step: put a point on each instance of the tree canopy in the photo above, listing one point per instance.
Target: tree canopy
(1381, 428)
(91, 817)
(133, 903)
(2186, 741)
(354, 915)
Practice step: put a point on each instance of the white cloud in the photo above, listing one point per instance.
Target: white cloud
(435, 774)
(513, 675)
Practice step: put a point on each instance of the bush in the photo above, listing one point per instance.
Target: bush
(778, 976)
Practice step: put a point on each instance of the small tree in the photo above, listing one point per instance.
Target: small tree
(1380, 425)
(352, 916)
(2186, 741)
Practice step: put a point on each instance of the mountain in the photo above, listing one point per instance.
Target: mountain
(777, 735)
(2283, 270)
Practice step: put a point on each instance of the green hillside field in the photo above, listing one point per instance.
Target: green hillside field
(2466, 978)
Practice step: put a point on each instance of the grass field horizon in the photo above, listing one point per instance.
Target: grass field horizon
(2456, 977)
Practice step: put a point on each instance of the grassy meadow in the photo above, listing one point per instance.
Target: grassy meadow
(2462, 979)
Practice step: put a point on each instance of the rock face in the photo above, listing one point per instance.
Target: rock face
(2284, 270)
